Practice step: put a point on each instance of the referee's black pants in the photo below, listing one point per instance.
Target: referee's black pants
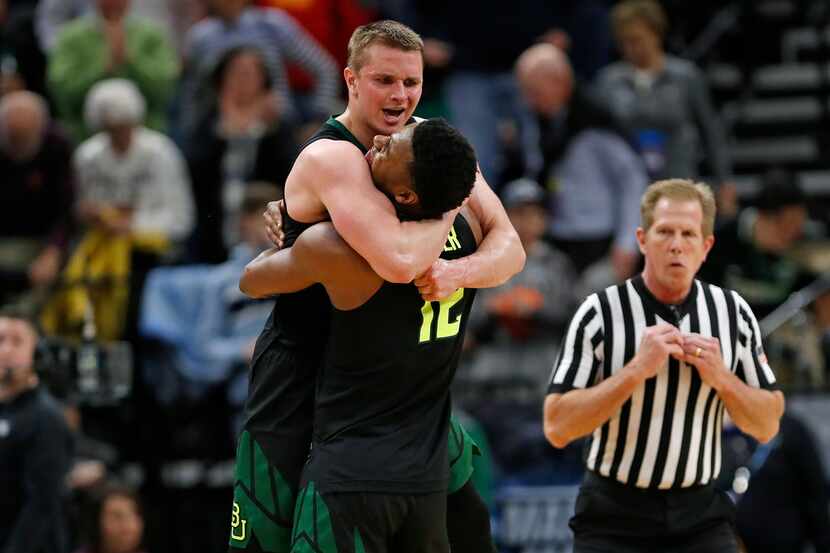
(614, 518)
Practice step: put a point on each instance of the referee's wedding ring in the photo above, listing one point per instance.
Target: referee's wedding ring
(697, 352)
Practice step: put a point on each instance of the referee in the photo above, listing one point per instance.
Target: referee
(647, 369)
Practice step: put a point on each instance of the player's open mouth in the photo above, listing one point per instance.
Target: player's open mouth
(392, 115)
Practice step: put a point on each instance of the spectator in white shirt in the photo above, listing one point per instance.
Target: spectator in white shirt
(131, 179)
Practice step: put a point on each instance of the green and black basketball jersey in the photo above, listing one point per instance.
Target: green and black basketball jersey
(279, 411)
(382, 407)
(279, 403)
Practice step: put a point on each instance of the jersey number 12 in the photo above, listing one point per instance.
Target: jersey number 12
(445, 328)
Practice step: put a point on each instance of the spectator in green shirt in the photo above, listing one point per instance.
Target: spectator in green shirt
(107, 44)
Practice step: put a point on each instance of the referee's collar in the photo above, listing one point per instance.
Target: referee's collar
(673, 313)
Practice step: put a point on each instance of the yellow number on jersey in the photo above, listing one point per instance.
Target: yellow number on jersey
(446, 328)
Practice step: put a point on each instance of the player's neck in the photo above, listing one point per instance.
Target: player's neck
(360, 131)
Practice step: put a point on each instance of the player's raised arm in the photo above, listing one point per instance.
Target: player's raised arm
(499, 256)
(363, 216)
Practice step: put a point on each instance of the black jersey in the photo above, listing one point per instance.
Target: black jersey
(382, 406)
(301, 319)
(298, 323)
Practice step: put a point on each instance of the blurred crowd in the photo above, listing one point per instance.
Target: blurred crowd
(141, 140)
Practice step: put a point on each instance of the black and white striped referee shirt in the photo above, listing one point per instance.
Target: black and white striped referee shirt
(668, 433)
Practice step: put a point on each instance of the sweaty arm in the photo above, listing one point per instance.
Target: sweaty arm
(318, 256)
(499, 256)
(335, 174)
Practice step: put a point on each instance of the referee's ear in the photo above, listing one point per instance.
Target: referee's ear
(708, 243)
(641, 239)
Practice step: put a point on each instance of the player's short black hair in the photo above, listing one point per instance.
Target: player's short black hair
(443, 167)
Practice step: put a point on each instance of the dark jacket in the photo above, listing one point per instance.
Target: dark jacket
(786, 504)
(35, 455)
(38, 193)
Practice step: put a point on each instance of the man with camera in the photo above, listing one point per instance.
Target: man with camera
(35, 448)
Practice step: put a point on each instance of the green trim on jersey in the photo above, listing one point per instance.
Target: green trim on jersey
(313, 532)
(347, 134)
(263, 502)
(461, 449)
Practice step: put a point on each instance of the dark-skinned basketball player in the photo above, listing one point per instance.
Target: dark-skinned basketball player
(378, 474)
(330, 179)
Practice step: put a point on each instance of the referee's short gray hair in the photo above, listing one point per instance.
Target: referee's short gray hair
(114, 102)
(679, 189)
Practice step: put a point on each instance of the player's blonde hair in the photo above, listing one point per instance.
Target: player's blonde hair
(679, 189)
(386, 32)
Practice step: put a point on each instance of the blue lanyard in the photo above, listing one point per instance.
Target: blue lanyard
(759, 456)
(743, 474)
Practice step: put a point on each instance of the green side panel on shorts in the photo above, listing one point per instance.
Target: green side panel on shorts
(461, 450)
(358, 542)
(263, 502)
(313, 532)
